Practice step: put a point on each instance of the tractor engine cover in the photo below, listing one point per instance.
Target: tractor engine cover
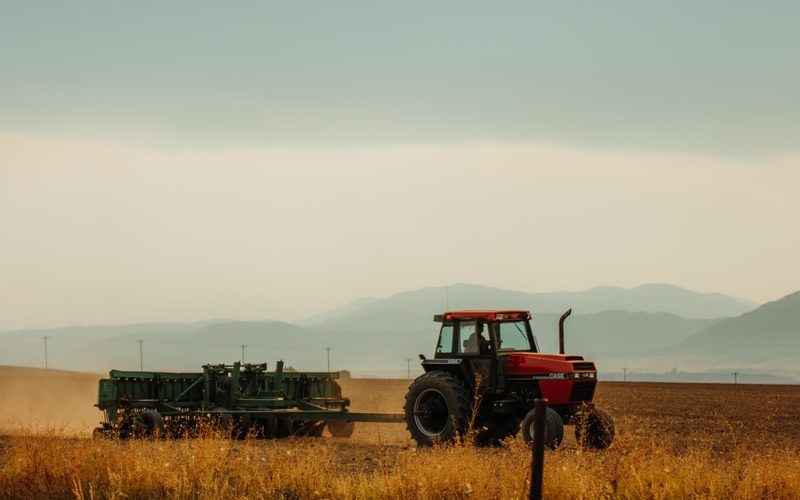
(562, 379)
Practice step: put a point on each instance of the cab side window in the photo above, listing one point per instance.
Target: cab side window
(445, 340)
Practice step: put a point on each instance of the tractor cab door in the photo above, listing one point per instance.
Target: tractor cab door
(475, 347)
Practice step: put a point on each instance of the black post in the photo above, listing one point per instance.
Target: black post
(537, 464)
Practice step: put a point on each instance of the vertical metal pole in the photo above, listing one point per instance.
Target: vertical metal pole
(46, 365)
(735, 377)
(141, 357)
(624, 374)
(243, 346)
(328, 349)
(537, 464)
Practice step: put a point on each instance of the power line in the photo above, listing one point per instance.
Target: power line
(196, 343)
(46, 366)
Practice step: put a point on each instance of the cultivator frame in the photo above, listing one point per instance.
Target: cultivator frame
(244, 399)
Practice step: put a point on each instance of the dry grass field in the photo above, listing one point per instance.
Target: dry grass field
(674, 441)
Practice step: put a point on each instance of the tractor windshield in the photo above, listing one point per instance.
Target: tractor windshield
(513, 336)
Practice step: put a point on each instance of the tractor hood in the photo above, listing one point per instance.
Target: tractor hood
(524, 363)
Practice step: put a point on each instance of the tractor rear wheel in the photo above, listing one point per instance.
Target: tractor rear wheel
(594, 428)
(437, 408)
(553, 428)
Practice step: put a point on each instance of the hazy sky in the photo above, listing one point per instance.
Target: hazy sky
(268, 160)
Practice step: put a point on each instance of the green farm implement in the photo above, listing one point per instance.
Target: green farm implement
(239, 399)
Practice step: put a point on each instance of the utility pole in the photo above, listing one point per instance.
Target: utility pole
(46, 366)
(735, 377)
(242, 346)
(408, 365)
(328, 349)
(141, 357)
(624, 374)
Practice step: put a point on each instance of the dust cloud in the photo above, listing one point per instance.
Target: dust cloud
(37, 400)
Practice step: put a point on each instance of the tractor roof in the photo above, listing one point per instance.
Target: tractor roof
(486, 315)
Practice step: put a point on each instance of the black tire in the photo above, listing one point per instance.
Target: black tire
(150, 423)
(315, 428)
(437, 408)
(283, 426)
(222, 421)
(102, 433)
(242, 422)
(553, 428)
(498, 429)
(267, 426)
(339, 429)
(594, 428)
(310, 428)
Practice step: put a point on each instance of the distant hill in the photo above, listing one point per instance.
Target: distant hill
(375, 337)
(652, 298)
(770, 332)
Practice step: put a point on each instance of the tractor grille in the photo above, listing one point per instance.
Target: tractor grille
(582, 391)
(580, 367)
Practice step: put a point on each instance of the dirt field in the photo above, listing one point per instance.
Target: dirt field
(719, 414)
(674, 441)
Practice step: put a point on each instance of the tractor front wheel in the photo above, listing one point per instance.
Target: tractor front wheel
(437, 408)
(553, 428)
(594, 428)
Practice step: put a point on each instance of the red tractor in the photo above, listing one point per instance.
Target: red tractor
(485, 375)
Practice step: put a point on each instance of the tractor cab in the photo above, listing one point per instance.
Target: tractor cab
(470, 333)
(478, 342)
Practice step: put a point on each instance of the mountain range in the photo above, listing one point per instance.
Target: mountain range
(648, 325)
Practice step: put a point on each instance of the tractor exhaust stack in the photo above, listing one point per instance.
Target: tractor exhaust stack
(561, 330)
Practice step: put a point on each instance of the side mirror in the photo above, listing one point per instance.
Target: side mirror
(422, 357)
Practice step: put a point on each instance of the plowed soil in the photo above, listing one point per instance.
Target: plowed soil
(722, 415)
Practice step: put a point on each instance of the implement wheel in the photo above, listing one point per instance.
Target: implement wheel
(437, 408)
(341, 429)
(594, 428)
(553, 428)
(102, 433)
(150, 423)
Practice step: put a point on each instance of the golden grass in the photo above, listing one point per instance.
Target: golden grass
(674, 441)
(57, 466)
